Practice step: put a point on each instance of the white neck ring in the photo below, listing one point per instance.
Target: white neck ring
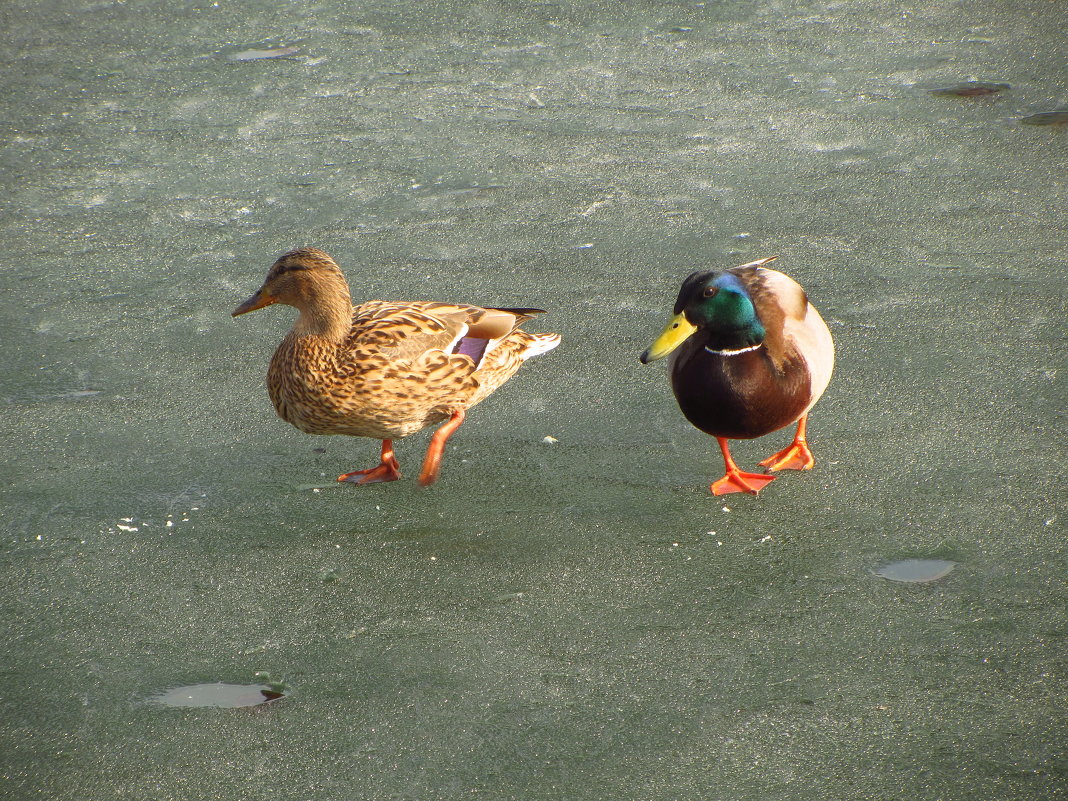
(734, 352)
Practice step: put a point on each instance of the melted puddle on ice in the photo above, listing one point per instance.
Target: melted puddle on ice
(224, 696)
(259, 52)
(916, 571)
(256, 55)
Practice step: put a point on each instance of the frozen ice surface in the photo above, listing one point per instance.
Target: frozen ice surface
(546, 622)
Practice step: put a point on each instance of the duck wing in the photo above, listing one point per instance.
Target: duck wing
(780, 303)
(794, 329)
(409, 331)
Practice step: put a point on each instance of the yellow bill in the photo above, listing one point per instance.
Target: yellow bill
(678, 331)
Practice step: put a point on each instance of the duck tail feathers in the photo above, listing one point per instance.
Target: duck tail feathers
(539, 344)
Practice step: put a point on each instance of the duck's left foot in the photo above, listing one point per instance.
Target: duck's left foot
(374, 475)
(389, 470)
(796, 456)
(737, 481)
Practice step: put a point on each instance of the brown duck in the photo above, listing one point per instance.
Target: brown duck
(384, 370)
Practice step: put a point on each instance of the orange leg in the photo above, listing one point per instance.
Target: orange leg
(796, 455)
(432, 462)
(736, 480)
(389, 470)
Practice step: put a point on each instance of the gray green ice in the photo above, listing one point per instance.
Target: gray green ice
(568, 613)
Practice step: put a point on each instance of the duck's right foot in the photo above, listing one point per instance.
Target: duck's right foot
(737, 481)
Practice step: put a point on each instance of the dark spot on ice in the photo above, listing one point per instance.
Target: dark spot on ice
(970, 89)
(1056, 117)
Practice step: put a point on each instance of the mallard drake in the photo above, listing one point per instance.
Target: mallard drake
(384, 370)
(750, 355)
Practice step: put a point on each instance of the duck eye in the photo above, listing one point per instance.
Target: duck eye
(710, 291)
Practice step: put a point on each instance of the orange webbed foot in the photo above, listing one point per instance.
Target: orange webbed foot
(389, 470)
(432, 462)
(795, 456)
(737, 481)
(373, 475)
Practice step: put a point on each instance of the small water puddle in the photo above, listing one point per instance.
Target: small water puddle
(916, 571)
(220, 695)
(258, 52)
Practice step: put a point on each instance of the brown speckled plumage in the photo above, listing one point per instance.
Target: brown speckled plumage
(382, 369)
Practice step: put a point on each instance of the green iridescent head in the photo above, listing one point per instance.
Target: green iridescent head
(717, 307)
